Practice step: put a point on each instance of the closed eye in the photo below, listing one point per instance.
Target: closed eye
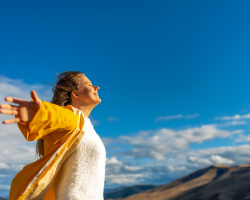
(88, 83)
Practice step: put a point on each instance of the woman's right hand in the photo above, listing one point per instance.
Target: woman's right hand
(24, 111)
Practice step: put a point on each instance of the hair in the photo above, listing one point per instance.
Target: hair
(66, 83)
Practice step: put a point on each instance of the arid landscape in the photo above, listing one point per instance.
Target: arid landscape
(219, 182)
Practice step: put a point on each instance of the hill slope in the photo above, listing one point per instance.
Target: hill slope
(219, 182)
(128, 191)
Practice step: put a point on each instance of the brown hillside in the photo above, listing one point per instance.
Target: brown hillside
(219, 182)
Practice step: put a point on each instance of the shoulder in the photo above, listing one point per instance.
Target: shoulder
(78, 113)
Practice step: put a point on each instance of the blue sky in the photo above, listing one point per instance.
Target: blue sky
(174, 79)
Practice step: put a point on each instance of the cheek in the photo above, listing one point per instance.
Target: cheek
(87, 92)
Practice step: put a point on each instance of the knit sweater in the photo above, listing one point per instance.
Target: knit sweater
(83, 173)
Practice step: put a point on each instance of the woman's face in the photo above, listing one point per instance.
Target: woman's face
(87, 94)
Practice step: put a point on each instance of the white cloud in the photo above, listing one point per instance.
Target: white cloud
(234, 123)
(113, 160)
(220, 160)
(118, 166)
(124, 179)
(179, 116)
(223, 155)
(17, 88)
(233, 120)
(199, 161)
(120, 173)
(211, 160)
(15, 151)
(157, 144)
(243, 138)
(4, 166)
(235, 117)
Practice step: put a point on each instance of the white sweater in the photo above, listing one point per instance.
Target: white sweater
(83, 172)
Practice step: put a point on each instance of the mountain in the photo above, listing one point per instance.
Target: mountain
(219, 182)
(1, 198)
(128, 191)
(110, 190)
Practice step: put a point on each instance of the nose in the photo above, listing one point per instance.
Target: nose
(96, 87)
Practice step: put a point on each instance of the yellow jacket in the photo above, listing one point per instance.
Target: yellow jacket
(60, 128)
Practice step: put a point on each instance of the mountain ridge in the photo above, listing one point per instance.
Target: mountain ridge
(216, 182)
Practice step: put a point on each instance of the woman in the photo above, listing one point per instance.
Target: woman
(72, 163)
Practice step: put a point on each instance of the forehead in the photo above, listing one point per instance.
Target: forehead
(84, 79)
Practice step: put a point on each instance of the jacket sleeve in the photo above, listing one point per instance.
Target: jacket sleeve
(50, 118)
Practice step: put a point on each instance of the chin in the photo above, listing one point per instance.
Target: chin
(98, 101)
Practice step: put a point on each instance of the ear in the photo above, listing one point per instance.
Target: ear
(75, 94)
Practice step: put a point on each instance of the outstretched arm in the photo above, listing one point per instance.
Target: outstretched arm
(36, 119)
(24, 111)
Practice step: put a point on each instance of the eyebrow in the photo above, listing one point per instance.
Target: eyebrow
(88, 82)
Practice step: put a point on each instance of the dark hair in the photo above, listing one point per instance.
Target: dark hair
(66, 83)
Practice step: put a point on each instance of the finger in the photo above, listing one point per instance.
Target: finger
(11, 121)
(15, 100)
(8, 106)
(9, 112)
(34, 96)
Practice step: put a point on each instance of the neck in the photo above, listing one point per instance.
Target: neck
(86, 109)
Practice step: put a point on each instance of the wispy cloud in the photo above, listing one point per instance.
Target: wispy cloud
(169, 117)
(234, 120)
(243, 138)
(210, 160)
(235, 117)
(179, 116)
(192, 116)
(113, 119)
(234, 123)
